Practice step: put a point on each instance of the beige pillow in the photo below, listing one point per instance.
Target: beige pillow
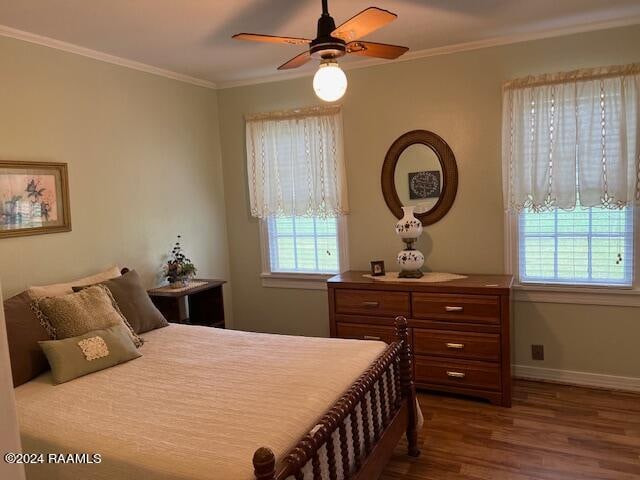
(77, 356)
(134, 302)
(78, 313)
(58, 289)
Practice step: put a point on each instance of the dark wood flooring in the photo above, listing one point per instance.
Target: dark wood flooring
(553, 432)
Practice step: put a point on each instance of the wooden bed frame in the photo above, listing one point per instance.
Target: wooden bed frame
(391, 416)
(390, 419)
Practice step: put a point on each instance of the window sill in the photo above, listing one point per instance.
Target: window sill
(305, 281)
(607, 296)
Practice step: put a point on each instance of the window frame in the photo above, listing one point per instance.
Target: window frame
(303, 280)
(615, 295)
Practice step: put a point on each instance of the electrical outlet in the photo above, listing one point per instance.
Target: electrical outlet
(537, 352)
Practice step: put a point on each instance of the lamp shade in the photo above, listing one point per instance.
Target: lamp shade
(330, 82)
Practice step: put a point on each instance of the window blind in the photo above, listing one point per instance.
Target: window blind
(590, 246)
(303, 244)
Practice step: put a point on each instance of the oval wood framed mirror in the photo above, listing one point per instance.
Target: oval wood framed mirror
(420, 169)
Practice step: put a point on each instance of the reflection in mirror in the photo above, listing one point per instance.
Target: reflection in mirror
(418, 177)
(420, 167)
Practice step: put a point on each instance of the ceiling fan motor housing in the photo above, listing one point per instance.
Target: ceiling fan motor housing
(326, 46)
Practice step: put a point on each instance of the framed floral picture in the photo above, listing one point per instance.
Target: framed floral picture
(34, 198)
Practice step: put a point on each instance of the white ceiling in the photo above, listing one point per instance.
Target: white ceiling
(193, 37)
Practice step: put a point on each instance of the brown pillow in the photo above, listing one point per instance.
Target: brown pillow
(75, 314)
(23, 333)
(134, 302)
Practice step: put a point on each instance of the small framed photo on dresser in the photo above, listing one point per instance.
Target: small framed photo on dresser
(377, 268)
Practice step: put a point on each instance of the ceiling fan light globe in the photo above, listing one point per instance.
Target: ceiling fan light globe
(330, 82)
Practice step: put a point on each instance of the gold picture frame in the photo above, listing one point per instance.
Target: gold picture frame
(34, 198)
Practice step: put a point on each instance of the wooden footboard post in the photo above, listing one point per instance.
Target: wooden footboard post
(408, 387)
(264, 464)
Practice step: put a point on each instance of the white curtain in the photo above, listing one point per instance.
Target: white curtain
(295, 163)
(572, 138)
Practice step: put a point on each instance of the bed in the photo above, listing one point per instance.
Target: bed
(201, 403)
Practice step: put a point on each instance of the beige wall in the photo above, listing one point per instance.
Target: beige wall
(144, 165)
(457, 96)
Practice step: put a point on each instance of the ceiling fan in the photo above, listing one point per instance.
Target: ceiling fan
(331, 43)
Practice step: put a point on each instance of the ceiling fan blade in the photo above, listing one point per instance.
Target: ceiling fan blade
(378, 50)
(296, 61)
(256, 37)
(363, 23)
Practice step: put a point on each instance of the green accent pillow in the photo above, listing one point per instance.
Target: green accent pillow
(96, 350)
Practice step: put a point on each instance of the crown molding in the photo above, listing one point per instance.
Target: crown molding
(448, 49)
(101, 56)
(6, 31)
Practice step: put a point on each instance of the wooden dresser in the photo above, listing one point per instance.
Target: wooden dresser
(459, 330)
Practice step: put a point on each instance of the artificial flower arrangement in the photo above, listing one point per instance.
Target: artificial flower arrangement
(179, 269)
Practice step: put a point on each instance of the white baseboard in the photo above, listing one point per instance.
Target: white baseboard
(583, 379)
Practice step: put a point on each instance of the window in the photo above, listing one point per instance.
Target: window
(297, 188)
(571, 181)
(302, 252)
(586, 246)
(304, 245)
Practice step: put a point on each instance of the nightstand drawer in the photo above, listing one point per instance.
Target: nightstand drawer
(456, 308)
(461, 373)
(448, 343)
(366, 332)
(372, 302)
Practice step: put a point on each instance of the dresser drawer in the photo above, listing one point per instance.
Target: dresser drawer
(461, 373)
(456, 308)
(476, 346)
(372, 302)
(366, 332)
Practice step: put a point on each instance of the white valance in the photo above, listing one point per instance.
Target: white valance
(295, 163)
(572, 138)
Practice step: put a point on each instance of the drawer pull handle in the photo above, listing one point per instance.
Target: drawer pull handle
(371, 304)
(371, 337)
(455, 346)
(449, 308)
(456, 374)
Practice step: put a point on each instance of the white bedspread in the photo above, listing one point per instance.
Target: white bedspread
(195, 406)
